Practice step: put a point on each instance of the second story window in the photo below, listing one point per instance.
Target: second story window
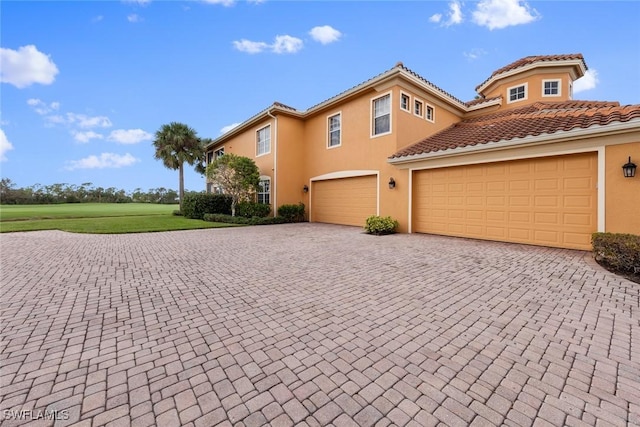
(405, 102)
(551, 88)
(381, 115)
(430, 114)
(335, 134)
(517, 93)
(209, 157)
(218, 153)
(417, 108)
(263, 141)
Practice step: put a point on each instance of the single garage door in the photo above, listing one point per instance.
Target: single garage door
(347, 201)
(549, 201)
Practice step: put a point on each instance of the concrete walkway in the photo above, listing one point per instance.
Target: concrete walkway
(311, 324)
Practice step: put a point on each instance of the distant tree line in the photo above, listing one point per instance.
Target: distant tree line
(10, 194)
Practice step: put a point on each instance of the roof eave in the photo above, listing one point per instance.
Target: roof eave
(546, 138)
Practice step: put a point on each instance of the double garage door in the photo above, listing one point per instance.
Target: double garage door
(548, 201)
(347, 201)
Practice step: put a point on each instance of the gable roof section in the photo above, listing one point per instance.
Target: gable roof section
(574, 59)
(532, 120)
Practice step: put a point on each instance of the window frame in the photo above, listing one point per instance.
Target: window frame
(402, 96)
(268, 151)
(339, 130)
(552, 95)
(433, 113)
(373, 117)
(264, 178)
(525, 96)
(217, 153)
(418, 103)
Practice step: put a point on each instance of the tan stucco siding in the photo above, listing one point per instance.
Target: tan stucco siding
(550, 201)
(534, 83)
(622, 194)
(291, 162)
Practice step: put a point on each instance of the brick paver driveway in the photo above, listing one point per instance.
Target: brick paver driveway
(311, 324)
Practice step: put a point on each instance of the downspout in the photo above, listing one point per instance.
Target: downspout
(275, 161)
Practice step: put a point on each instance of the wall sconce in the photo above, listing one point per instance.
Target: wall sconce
(629, 169)
(392, 183)
(305, 188)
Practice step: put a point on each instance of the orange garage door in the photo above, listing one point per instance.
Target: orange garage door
(549, 201)
(347, 201)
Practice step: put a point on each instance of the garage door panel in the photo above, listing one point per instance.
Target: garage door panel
(347, 201)
(548, 201)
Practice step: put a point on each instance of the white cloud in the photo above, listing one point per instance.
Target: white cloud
(586, 82)
(5, 146)
(249, 46)
(105, 160)
(282, 44)
(454, 16)
(221, 2)
(436, 18)
(134, 18)
(474, 54)
(26, 66)
(229, 127)
(129, 136)
(455, 13)
(138, 2)
(97, 18)
(41, 107)
(497, 14)
(87, 136)
(325, 34)
(287, 44)
(84, 121)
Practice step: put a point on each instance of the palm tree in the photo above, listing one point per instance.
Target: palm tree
(176, 144)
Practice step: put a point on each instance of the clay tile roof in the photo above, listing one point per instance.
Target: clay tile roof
(531, 120)
(284, 106)
(479, 101)
(532, 60)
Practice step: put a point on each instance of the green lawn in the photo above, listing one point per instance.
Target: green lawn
(99, 218)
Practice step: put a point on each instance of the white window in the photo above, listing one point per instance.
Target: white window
(209, 187)
(430, 113)
(209, 157)
(381, 115)
(219, 152)
(417, 108)
(517, 93)
(334, 137)
(551, 88)
(263, 141)
(405, 102)
(264, 190)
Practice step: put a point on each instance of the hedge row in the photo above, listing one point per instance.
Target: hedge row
(197, 205)
(620, 252)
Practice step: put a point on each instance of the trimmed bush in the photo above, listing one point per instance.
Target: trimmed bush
(620, 252)
(196, 205)
(292, 213)
(251, 209)
(228, 219)
(380, 225)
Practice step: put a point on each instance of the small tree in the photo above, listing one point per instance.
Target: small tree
(237, 176)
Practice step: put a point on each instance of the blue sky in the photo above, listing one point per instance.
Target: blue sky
(85, 85)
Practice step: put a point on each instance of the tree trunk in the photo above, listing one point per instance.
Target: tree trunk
(181, 195)
(234, 202)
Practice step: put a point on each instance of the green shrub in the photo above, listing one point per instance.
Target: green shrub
(380, 225)
(621, 252)
(196, 205)
(228, 219)
(292, 213)
(251, 209)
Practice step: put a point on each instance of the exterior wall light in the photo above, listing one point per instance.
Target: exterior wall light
(392, 183)
(305, 188)
(629, 169)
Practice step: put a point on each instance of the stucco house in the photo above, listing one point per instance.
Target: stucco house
(523, 162)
